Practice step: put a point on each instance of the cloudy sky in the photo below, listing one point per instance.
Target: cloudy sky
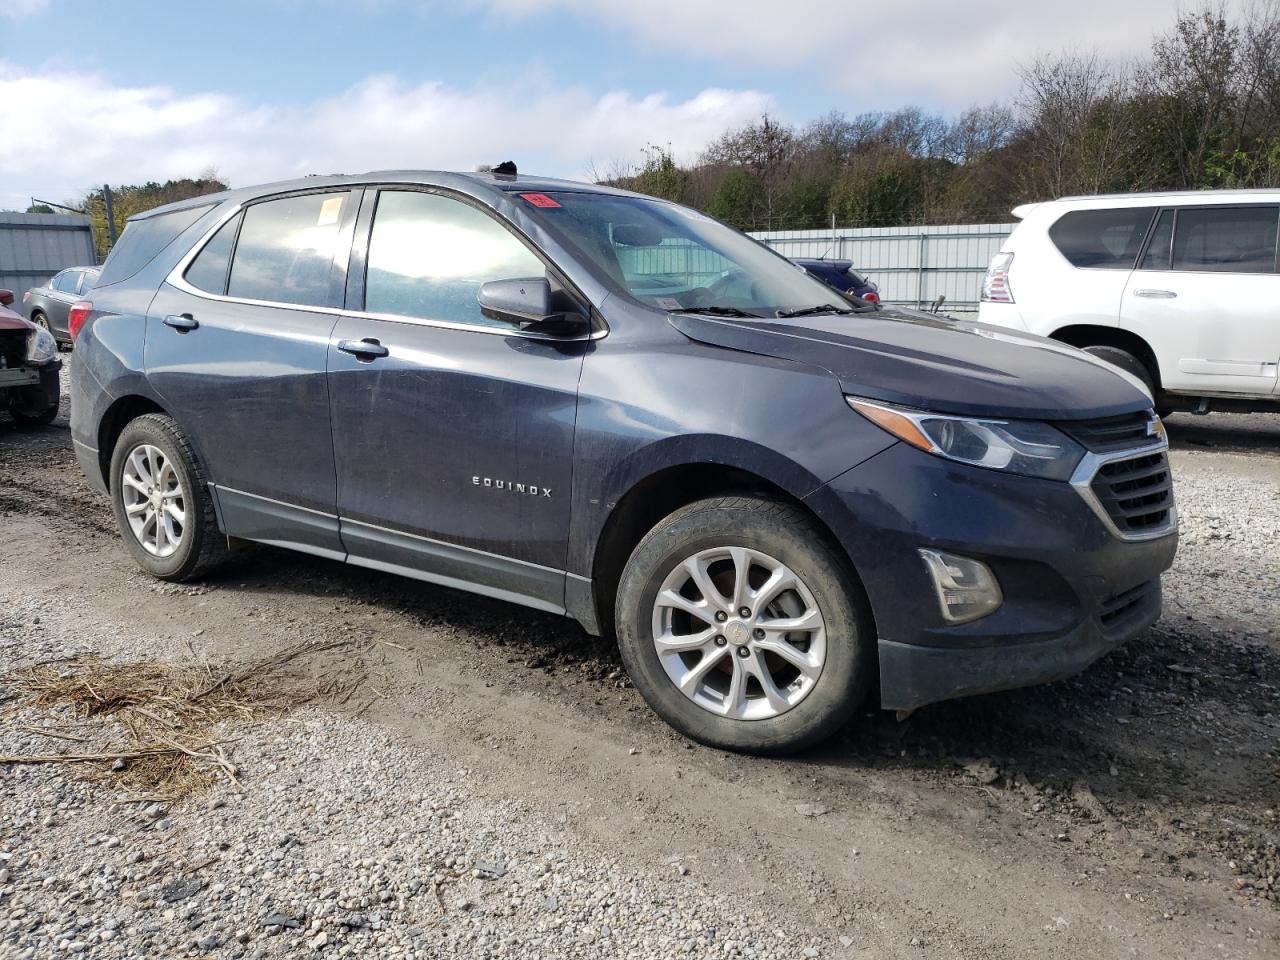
(122, 92)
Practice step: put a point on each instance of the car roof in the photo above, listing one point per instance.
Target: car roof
(474, 183)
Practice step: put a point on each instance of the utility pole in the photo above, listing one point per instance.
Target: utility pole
(111, 214)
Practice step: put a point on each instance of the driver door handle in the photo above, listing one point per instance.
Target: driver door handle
(365, 350)
(182, 323)
(1155, 294)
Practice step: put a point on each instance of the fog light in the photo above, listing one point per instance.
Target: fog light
(966, 589)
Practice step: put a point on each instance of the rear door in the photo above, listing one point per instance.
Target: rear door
(453, 432)
(1102, 245)
(65, 289)
(1206, 296)
(236, 346)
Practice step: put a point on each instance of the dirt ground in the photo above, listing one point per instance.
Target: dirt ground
(1132, 811)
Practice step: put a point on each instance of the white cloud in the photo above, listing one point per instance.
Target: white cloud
(882, 54)
(93, 131)
(14, 9)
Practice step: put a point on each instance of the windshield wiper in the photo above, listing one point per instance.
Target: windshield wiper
(810, 311)
(718, 312)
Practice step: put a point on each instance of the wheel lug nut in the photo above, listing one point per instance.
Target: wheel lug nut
(758, 633)
(721, 616)
(720, 641)
(744, 652)
(744, 612)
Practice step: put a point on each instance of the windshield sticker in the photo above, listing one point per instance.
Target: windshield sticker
(539, 200)
(667, 303)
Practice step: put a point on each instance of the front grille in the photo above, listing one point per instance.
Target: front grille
(1109, 434)
(1136, 492)
(1115, 610)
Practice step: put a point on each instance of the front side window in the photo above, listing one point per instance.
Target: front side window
(674, 258)
(1102, 239)
(429, 254)
(67, 281)
(1226, 239)
(285, 250)
(208, 271)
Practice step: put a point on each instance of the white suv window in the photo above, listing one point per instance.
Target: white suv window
(1107, 239)
(1226, 239)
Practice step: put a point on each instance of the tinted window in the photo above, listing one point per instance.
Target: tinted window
(286, 247)
(67, 281)
(429, 254)
(88, 280)
(1226, 239)
(142, 240)
(1160, 246)
(1102, 238)
(208, 271)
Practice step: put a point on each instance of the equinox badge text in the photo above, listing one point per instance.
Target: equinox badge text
(529, 489)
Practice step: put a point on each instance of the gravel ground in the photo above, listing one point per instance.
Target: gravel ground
(458, 777)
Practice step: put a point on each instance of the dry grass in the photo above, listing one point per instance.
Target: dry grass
(153, 733)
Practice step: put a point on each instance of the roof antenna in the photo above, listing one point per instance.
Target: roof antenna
(506, 170)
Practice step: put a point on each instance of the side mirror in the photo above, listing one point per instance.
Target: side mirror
(531, 305)
(6, 298)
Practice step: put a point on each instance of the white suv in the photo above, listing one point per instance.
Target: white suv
(1179, 289)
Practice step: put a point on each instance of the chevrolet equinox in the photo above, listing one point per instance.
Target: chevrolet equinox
(615, 408)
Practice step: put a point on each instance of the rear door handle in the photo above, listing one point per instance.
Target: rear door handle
(181, 323)
(366, 350)
(1155, 294)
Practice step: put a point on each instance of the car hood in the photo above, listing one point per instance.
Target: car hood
(11, 321)
(950, 366)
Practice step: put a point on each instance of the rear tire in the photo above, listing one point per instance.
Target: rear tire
(42, 419)
(1130, 364)
(155, 479)
(827, 670)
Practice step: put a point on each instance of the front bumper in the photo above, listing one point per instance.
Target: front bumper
(1073, 591)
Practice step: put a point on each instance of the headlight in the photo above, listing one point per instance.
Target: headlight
(1026, 447)
(42, 347)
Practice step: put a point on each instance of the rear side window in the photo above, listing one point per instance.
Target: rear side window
(286, 248)
(1106, 239)
(429, 254)
(1226, 239)
(208, 271)
(1160, 246)
(143, 240)
(67, 282)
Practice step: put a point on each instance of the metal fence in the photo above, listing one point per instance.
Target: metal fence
(912, 265)
(35, 246)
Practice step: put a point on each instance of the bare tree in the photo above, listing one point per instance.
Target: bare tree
(767, 149)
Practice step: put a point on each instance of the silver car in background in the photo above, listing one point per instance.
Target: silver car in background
(47, 306)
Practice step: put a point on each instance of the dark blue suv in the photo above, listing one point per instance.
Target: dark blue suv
(618, 409)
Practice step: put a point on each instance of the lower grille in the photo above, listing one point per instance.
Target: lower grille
(1136, 493)
(1117, 609)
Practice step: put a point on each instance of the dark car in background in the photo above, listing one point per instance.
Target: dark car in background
(47, 306)
(29, 365)
(618, 409)
(840, 276)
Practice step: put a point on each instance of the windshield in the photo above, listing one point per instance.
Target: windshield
(674, 258)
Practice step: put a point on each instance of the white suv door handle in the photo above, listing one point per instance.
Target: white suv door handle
(1155, 294)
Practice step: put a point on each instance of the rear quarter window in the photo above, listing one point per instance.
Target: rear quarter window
(143, 240)
(1102, 239)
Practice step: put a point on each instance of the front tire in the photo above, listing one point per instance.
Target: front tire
(162, 503)
(743, 627)
(1130, 364)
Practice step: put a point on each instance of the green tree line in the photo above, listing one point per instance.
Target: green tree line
(1201, 110)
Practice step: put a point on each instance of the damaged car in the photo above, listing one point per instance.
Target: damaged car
(29, 365)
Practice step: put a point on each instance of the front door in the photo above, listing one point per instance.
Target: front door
(237, 348)
(453, 433)
(1206, 296)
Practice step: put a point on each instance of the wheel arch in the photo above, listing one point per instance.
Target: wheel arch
(660, 493)
(1090, 335)
(117, 416)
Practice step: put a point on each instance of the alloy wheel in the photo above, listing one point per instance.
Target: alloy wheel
(739, 633)
(154, 501)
